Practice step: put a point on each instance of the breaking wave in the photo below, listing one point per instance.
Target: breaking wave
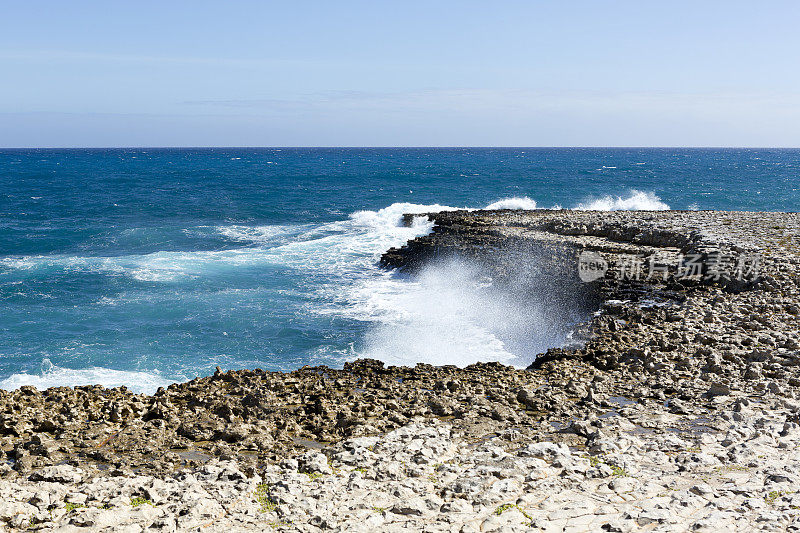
(53, 376)
(513, 203)
(637, 201)
(450, 314)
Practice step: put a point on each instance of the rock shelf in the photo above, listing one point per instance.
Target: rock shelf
(679, 409)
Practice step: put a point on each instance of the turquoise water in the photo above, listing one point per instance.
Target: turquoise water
(148, 266)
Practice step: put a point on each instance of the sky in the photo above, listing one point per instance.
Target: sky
(410, 73)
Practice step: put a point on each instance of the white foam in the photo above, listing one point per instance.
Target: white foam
(513, 203)
(447, 316)
(154, 267)
(347, 244)
(54, 376)
(452, 314)
(432, 320)
(269, 234)
(391, 217)
(637, 201)
(350, 248)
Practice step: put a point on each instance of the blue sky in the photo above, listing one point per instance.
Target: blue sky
(379, 73)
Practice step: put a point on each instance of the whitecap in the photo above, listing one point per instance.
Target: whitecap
(54, 376)
(513, 203)
(349, 249)
(636, 201)
(392, 216)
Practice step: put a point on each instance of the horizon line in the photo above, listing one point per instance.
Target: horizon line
(396, 147)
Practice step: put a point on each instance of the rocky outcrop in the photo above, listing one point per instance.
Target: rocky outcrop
(678, 288)
(678, 409)
(735, 470)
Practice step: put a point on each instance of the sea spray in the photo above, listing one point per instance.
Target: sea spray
(454, 312)
(636, 201)
(53, 376)
(280, 296)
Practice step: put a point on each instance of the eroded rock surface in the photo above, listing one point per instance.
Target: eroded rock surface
(679, 408)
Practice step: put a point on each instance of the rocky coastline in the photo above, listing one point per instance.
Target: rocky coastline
(676, 407)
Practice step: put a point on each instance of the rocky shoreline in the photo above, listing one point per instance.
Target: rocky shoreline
(675, 408)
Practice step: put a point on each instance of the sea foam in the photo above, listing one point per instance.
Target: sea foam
(54, 376)
(450, 314)
(637, 201)
(513, 203)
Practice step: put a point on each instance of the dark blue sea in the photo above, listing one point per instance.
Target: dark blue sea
(144, 267)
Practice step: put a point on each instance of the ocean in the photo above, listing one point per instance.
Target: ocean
(143, 267)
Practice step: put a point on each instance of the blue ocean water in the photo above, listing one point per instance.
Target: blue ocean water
(148, 266)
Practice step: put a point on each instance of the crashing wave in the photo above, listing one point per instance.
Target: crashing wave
(54, 376)
(637, 201)
(513, 203)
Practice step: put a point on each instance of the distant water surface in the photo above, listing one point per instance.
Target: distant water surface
(148, 266)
